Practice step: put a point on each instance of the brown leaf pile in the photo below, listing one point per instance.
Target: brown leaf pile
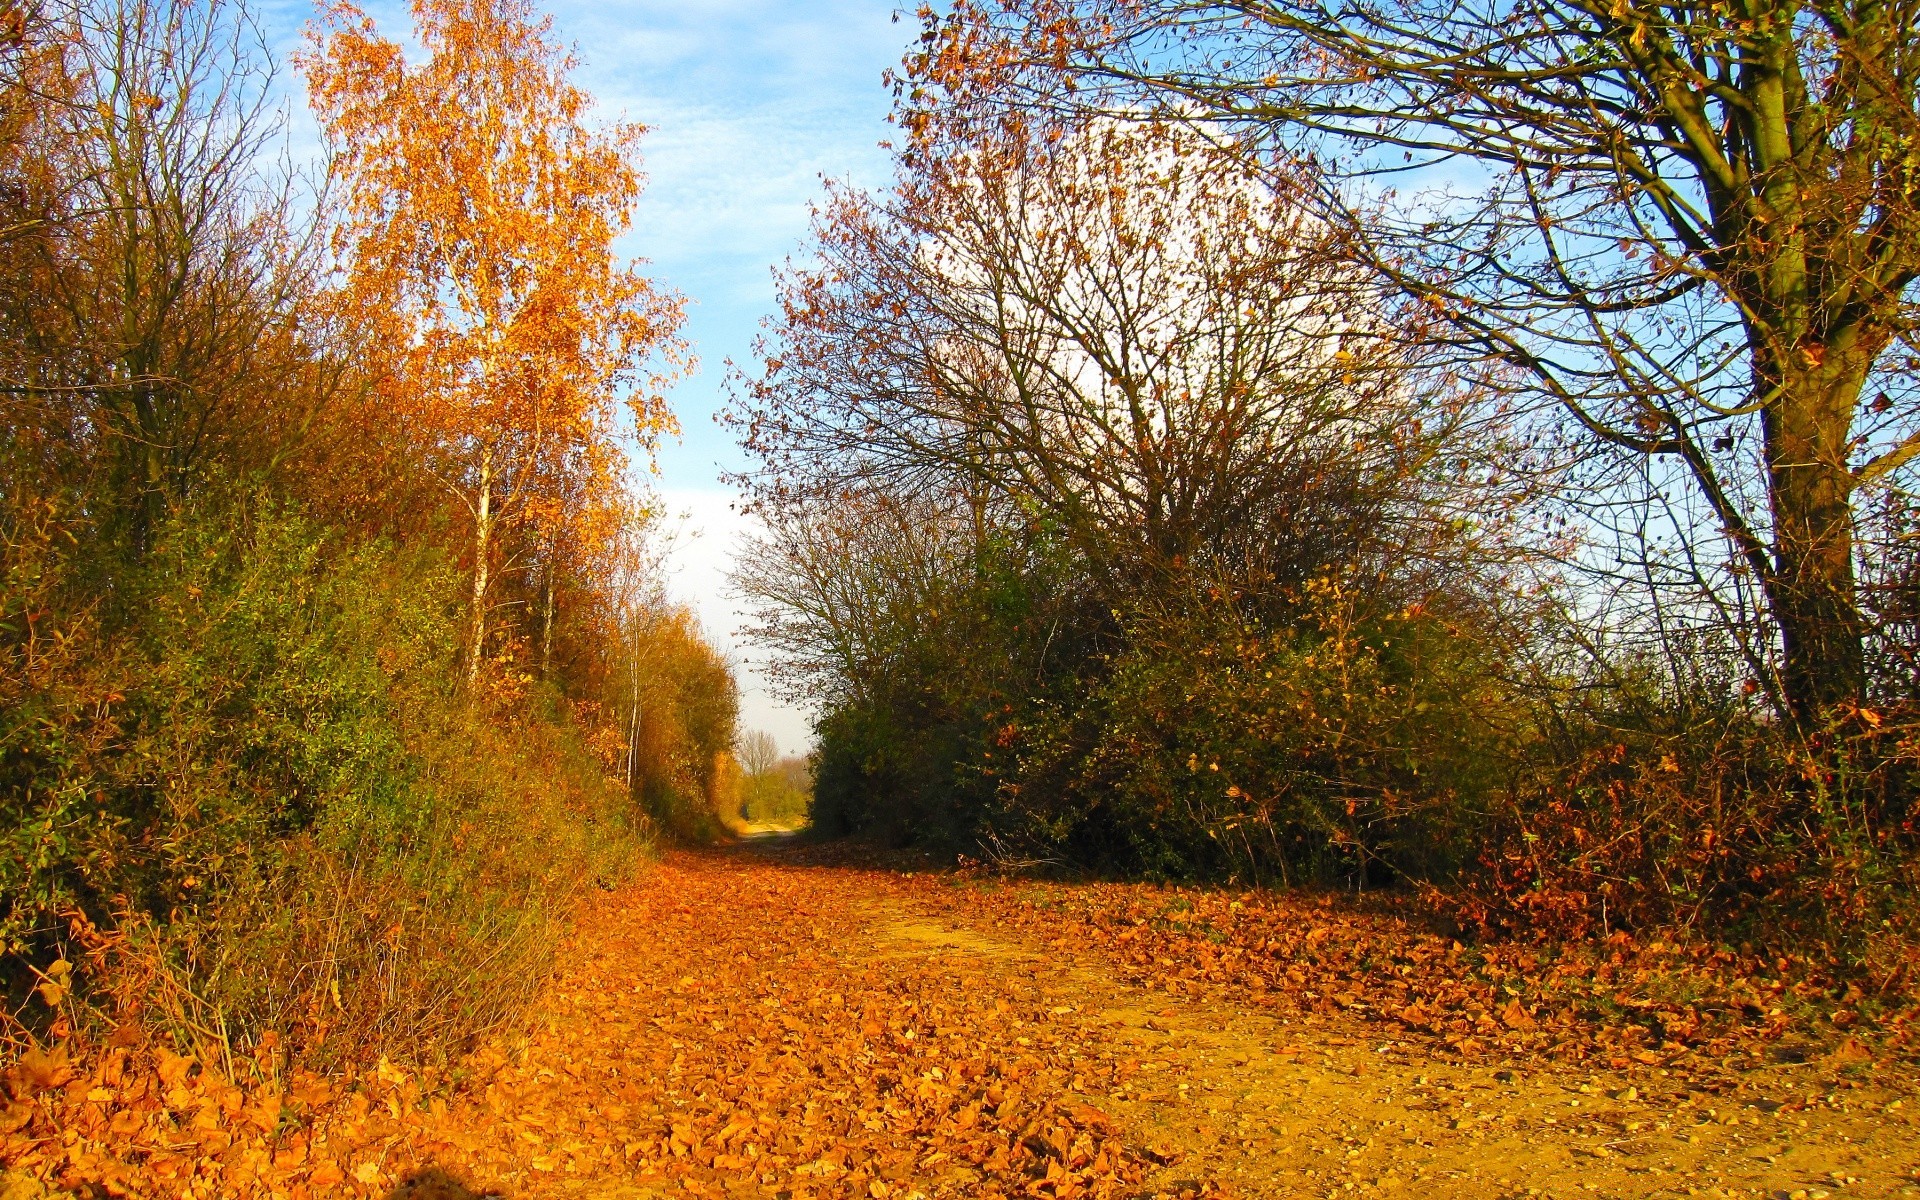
(134, 1118)
(733, 1026)
(1620, 1002)
(713, 1027)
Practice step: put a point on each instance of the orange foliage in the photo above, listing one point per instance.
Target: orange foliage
(478, 218)
(752, 1026)
(687, 1043)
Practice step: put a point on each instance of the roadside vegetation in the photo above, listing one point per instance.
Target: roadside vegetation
(334, 664)
(1280, 445)
(775, 789)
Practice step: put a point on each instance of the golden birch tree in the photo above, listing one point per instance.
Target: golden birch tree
(479, 212)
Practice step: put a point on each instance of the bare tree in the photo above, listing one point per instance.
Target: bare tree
(170, 261)
(1108, 328)
(845, 584)
(759, 752)
(1692, 226)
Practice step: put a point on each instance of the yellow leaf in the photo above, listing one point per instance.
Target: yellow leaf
(46, 1069)
(171, 1067)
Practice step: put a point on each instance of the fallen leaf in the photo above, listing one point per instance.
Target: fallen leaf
(1514, 1016)
(41, 1069)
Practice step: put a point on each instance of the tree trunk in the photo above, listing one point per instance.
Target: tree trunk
(633, 713)
(482, 549)
(147, 473)
(1812, 588)
(546, 627)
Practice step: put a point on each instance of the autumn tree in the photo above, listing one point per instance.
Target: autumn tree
(479, 212)
(1078, 418)
(231, 641)
(1693, 227)
(156, 280)
(1110, 325)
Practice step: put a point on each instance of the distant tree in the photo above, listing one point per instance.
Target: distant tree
(759, 752)
(480, 213)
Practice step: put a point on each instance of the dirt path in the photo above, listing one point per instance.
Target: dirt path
(741, 1024)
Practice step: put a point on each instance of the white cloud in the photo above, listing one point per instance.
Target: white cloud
(708, 533)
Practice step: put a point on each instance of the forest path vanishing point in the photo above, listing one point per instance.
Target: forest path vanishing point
(759, 1022)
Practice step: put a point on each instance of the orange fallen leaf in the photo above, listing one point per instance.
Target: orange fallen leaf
(172, 1068)
(265, 1111)
(1514, 1016)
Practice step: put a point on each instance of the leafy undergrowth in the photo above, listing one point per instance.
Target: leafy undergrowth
(1616, 1002)
(711, 1029)
(285, 809)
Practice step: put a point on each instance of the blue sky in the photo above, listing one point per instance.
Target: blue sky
(750, 103)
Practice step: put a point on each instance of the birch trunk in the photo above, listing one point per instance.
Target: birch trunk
(546, 626)
(482, 550)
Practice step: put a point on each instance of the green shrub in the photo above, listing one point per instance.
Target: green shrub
(1343, 745)
(260, 801)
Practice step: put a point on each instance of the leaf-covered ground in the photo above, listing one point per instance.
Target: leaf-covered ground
(785, 1024)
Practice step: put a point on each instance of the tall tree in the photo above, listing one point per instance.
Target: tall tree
(1109, 325)
(1694, 226)
(479, 215)
(152, 266)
